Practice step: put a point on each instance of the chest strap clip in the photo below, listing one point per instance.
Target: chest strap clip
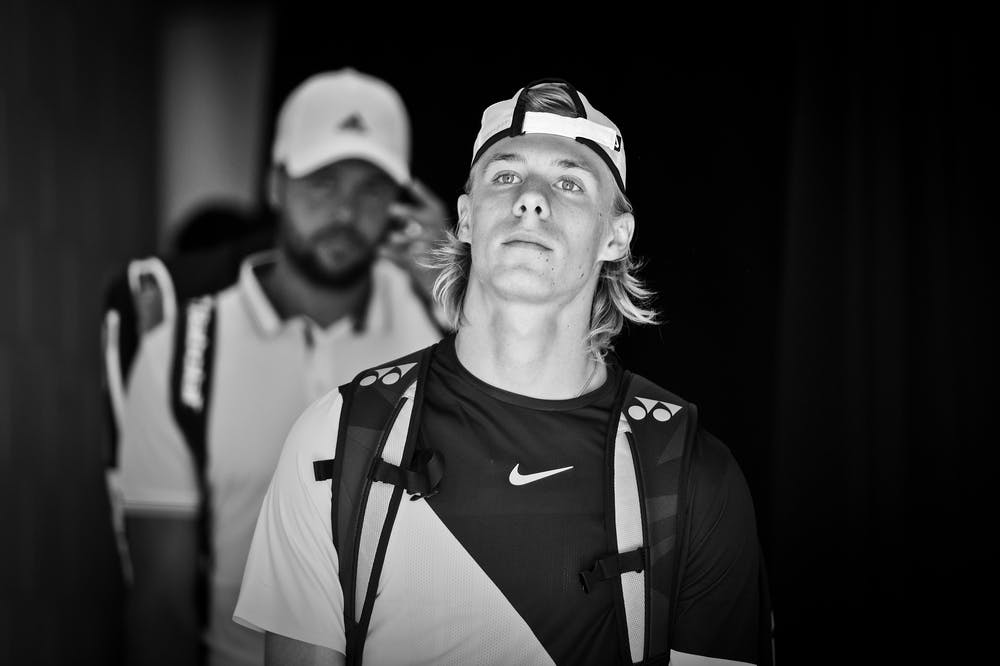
(420, 480)
(608, 567)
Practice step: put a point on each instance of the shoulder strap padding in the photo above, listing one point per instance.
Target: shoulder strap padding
(371, 401)
(663, 427)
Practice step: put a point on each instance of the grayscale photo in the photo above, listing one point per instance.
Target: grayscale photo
(489, 335)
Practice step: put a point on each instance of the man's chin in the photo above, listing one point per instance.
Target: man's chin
(526, 289)
(333, 274)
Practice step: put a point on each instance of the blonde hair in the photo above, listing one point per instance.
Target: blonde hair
(620, 295)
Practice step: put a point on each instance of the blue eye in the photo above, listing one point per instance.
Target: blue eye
(506, 178)
(569, 185)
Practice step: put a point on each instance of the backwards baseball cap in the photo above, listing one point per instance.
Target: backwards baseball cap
(340, 115)
(590, 127)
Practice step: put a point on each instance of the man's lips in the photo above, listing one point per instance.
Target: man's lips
(531, 242)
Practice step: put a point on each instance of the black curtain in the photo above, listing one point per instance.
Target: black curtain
(77, 199)
(882, 459)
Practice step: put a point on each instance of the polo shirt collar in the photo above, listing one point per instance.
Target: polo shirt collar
(370, 317)
(257, 302)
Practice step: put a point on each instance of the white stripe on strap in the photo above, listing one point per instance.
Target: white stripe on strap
(628, 528)
(377, 507)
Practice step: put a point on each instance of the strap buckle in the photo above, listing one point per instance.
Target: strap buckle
(608, 567)
(421, 480)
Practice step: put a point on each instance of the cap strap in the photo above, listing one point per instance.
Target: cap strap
(581, 110)
(571, 128)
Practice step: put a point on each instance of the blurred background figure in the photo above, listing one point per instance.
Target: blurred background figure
(216, 384)
(205, 257)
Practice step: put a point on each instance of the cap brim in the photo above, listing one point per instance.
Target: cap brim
(319, 155)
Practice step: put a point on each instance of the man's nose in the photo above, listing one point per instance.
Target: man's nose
(343, 210)
(532, 202)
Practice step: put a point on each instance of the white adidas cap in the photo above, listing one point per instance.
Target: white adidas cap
(341, 115)
(590, 127)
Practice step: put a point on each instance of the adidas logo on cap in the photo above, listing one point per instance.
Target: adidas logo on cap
(353, 123)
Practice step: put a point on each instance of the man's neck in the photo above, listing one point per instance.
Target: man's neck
(536, 351)
(292, 295)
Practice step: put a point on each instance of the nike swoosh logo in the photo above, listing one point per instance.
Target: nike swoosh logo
(518, 479)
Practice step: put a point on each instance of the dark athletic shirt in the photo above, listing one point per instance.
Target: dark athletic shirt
(532, 540)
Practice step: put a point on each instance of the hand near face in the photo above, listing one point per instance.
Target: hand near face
(422, 223)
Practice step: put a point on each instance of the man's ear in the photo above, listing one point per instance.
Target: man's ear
(618, 238)
(462, 229)
(275, 185)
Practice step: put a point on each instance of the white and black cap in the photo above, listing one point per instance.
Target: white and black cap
(341, 115)
(590, 127)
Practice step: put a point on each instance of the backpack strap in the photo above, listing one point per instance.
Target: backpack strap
(374, 465)
(647, 458)
(190, 398)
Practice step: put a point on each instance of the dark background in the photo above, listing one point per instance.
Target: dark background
(814, 194)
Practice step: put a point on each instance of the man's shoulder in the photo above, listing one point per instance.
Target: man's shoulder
(196, 312)
(390, 373)
(645, 401)
(716, 484)
(205, 271)
(711, 460)
(315, 430)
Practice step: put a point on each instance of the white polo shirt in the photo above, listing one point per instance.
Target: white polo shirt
(266, 372)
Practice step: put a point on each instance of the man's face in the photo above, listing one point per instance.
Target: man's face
(540, 219)
(334, 219)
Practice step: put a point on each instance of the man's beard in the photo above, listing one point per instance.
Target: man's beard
(303, 255)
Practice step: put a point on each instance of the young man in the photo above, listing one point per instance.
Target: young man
(211, 399)
(523, 405)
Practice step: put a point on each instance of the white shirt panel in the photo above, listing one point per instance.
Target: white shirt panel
(685, 659)
(290, 585)
(435, 605)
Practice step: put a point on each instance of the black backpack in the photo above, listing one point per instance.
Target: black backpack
(657, 459)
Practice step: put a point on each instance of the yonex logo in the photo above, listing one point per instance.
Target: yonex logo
(353, 123)
(389, 376)
(661, 411)
(618, 142)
